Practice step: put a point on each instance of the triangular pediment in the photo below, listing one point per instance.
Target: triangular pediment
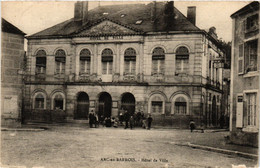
(107, 27)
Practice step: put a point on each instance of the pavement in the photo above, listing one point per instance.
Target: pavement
(78, 146)
(219, 144)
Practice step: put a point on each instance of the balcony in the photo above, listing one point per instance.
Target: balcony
(213, 84)
(40, 76)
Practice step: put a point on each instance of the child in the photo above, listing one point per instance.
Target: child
(192, 125)
(132, 122)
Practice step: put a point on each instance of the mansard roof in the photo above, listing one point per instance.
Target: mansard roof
(10, 28)
(124, 15)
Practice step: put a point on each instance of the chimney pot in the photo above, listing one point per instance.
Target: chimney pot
(191, 14)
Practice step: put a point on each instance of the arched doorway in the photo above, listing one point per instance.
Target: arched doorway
(104, 104)
(214, 111)
(128, 103)
(82, 106)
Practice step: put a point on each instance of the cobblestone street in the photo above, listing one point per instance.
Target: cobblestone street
(76, 147)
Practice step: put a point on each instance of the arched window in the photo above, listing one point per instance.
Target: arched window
(85, 58)
(182, 60)
(41, 62)
(107, 61)
(130, 61)
(60, 60)
(158, 58)
(58, 101)
(39, 101)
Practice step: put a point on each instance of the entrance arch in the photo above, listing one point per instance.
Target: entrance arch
(214, 111)
(128, 103)
(104, 104)
(82, 106)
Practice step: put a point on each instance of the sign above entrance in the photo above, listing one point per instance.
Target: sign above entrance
(107, 38)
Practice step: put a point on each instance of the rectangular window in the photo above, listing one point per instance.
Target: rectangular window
(40, 65)
(158, 64)
(60, 65)
(39, 103)
(157, 106)
(180, 108)
(182, 66)
(130, 67)
(107, 68)
(84, 67)
(251, 56)
(251, 109)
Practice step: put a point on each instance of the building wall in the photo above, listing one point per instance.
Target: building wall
(11, 83)
(143, 86)
(243, 83)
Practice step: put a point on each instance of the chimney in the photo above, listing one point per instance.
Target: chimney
(169, 15)
(81, 11)
(85, 12)
(153, 11)
(78, 13)
(191, 14)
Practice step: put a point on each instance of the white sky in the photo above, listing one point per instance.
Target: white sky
(32, 17)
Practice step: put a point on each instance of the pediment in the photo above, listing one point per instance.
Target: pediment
(107, 27)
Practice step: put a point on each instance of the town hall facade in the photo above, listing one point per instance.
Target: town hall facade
(148, 58)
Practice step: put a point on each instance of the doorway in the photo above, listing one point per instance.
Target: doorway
(104, 105)
(82, 106)
(128, 103)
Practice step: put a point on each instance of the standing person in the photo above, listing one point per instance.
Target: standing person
(90, 117)
(101, 120)
(143, 120)
(149, 120)
(126, 118)
(192, 125)
(132, 122)
(121, 118)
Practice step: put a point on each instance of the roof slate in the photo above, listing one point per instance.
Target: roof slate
(131, 12)
(10, 28)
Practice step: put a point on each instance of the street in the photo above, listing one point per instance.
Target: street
(76, 147)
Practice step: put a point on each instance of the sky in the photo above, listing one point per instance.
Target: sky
(32, 17)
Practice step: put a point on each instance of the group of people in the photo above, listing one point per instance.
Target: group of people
(125, 119)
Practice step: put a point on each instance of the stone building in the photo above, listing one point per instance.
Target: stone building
(139, 57)
(12, 59)
(244, 119)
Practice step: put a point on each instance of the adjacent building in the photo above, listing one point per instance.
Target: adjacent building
(139, 57)
(244, 119)
(12, 61)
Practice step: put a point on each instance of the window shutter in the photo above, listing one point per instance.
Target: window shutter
(127, 64)
(110, 67)
(154, 66)
(133, 67)
(162, 66)
(241, 59)
(63, 68)
(104, 67)
(239, 112)
(245, 113)
(88, 67)
(82, 66)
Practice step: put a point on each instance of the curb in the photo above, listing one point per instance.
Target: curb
(23, 129)
(224, 151)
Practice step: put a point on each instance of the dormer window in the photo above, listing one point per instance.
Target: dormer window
(138, 22)
(122, 15)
